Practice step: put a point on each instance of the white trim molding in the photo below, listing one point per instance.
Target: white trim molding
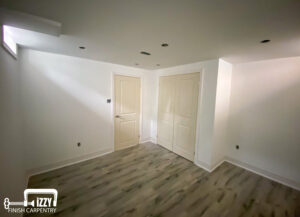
(144, 140)
(203, 165)
(153, 140)
(264, 173)
(149, 139)
(206, 167)
(256, 170)
(69, 162)
(217, 165)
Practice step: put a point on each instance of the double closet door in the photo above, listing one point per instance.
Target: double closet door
(177, 113)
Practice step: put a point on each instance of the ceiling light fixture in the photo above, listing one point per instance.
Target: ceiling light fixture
(164, 45)
(265, 41)
(82, 47)
(145, 53)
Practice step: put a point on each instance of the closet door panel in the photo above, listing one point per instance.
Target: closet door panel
(185, 114)
(165, 122)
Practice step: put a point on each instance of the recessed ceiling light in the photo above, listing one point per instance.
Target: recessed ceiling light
(164, 45)
(265, 41)
(82, 47)
(145, 53)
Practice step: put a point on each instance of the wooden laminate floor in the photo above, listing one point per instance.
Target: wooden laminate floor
(148, 180)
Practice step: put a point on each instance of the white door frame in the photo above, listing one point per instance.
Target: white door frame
(198, 125)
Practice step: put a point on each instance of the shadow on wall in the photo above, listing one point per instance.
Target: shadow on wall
(75, 85)
(61, 109)
(89, 98)
(64, 101)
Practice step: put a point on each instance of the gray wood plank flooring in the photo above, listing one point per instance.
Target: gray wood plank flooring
(148, 180)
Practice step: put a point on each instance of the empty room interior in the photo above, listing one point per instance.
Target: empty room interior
(150, 108)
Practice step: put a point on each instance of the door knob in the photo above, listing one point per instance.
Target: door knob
(117, 116)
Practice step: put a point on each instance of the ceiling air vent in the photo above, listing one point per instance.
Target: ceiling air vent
(145, 53)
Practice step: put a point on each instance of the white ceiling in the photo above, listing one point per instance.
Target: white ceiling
(117, 30)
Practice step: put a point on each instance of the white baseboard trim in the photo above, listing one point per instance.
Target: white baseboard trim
(148, 140)
(153, 140)
(217, 165)
(206, 167)
(256, 170)
(68, 162)
(264, 173)
(126, 147)
(202, 165)
(145, 140)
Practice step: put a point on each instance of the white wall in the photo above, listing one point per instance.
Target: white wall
(265, 116)
(221, 112)
(149, 100)
(12, 180)
(64, 102)
(206, 106)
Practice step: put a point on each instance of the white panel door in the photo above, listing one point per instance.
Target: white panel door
(127, 111)
(185, 114)
(177, 113)
(166, 111)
